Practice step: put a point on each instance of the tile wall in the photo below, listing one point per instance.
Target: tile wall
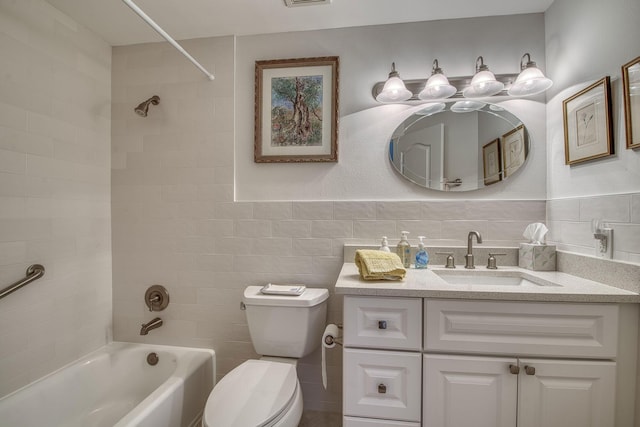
(55, 97)
(175, 222)
(569, 222)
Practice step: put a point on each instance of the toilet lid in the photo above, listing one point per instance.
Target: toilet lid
(253, 394)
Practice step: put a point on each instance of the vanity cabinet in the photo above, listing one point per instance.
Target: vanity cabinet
(479, 363)
(508, 392)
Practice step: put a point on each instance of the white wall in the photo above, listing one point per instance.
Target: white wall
(55, 106)
(363, 171)
(587, 40)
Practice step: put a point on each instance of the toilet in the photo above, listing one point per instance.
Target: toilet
(266, 392)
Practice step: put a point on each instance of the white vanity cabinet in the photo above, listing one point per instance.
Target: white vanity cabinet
(563, 373)
(484, 363)
(382, 362)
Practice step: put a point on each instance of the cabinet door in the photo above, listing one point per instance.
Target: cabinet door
(382, 384)
(564, 393)
(469, 391)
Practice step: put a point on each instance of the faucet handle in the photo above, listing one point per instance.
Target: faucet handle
(491, 262)
(450, 261)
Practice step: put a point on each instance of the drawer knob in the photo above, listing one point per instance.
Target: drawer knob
(529, 370)
(514, 369)
(382, 324)
(382, 389)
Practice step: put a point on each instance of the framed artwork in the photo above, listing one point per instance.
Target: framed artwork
(588, 133)
(631, 89)
(514, 150)
(491, 162)
(296, 110)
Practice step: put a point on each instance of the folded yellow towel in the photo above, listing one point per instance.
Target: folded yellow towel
(379, 265)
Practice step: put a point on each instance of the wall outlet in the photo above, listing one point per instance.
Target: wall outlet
(604, 243)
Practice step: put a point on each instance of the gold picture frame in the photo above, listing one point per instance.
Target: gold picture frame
(296, 110)
(491, 162)
(513, 146)
(588, 133)
(631, 92)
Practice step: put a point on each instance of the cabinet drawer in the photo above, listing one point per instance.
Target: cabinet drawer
(393, 323)
(536, 329)
(373, 422)
(382, 384)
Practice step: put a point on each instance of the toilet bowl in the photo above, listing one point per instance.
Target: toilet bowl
(266, 392)
(260, 393)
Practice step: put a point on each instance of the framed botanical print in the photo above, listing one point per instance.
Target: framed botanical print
(631, 90)
(514, 150)
(588, 133)
(491, 162)
(296, 110)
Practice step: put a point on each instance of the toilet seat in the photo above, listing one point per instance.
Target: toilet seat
(255, 394)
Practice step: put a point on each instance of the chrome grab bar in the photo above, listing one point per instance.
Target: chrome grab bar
(34, 272)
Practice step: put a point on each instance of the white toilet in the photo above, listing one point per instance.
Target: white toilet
(266, 392)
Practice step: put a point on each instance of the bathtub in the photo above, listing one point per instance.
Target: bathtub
(115, 386)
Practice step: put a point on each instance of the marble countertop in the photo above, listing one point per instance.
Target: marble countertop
(549, 286)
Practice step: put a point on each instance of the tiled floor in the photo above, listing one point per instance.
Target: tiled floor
(320, 419)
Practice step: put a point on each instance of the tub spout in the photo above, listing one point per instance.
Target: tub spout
(146, 327)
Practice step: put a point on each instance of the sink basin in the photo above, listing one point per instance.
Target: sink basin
(485, 278)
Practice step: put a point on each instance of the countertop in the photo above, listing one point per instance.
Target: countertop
(548, 286)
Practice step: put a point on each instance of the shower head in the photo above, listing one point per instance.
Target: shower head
(143, 108)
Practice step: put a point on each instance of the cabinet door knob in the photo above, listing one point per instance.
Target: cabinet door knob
(382, 389)
(529, 370)
(514, 369)
(382, 324)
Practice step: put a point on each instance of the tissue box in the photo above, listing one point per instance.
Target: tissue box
(537, 257)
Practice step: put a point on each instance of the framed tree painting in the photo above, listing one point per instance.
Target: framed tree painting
(631, 89)
(296, 110)
(491, 162)
(588, 133)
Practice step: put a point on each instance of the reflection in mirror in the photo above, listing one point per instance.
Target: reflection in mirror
(459, 146)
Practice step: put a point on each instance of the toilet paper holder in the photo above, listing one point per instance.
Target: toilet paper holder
(330, 339)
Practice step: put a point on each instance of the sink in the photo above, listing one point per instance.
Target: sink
(486, 278)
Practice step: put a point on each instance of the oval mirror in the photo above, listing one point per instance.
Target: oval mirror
(459, 146)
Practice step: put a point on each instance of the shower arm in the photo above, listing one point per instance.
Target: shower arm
(166, 36)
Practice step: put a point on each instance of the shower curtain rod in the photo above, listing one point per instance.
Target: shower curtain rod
(166, 36)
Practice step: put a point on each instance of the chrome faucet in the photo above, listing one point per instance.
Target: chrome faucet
(469, 256)
(153, 324)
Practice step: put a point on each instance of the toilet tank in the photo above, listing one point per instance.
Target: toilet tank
(284, 325)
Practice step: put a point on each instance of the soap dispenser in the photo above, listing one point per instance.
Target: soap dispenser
(384, 245)
(404, 250)
(422, 257)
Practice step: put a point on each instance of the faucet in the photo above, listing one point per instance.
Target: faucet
(153, 324)
(469, 256)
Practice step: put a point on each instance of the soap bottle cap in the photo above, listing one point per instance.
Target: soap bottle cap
(404, 235)
(421, 243)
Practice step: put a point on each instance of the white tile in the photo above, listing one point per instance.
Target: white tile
(12, 162)
(252, 228)
(374, 229)
(272, 210)
(298, 229)
(607, 208)
(354, 210)
(635, 208)
(398, 210)
(312, 210)
(341, 228)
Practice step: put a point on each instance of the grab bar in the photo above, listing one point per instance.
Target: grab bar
(34, 272)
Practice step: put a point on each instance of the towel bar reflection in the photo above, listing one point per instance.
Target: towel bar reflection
(34, 272)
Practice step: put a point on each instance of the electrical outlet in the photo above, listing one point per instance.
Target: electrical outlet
(604, 243)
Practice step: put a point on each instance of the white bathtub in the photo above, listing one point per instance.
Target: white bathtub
(115, 386)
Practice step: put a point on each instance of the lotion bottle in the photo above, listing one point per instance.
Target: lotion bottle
(422, 257)
(404, 250)
(384, 245)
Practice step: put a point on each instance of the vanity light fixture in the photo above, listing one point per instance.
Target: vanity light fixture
(530, 81)
(438, 86)
(467, 106)
(394, 89)
(483, 83)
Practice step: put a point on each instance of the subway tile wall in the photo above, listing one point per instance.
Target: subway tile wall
(175, 221)
(55, 97)
(569, 223)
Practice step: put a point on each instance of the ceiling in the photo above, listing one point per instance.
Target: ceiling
(185, 19)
